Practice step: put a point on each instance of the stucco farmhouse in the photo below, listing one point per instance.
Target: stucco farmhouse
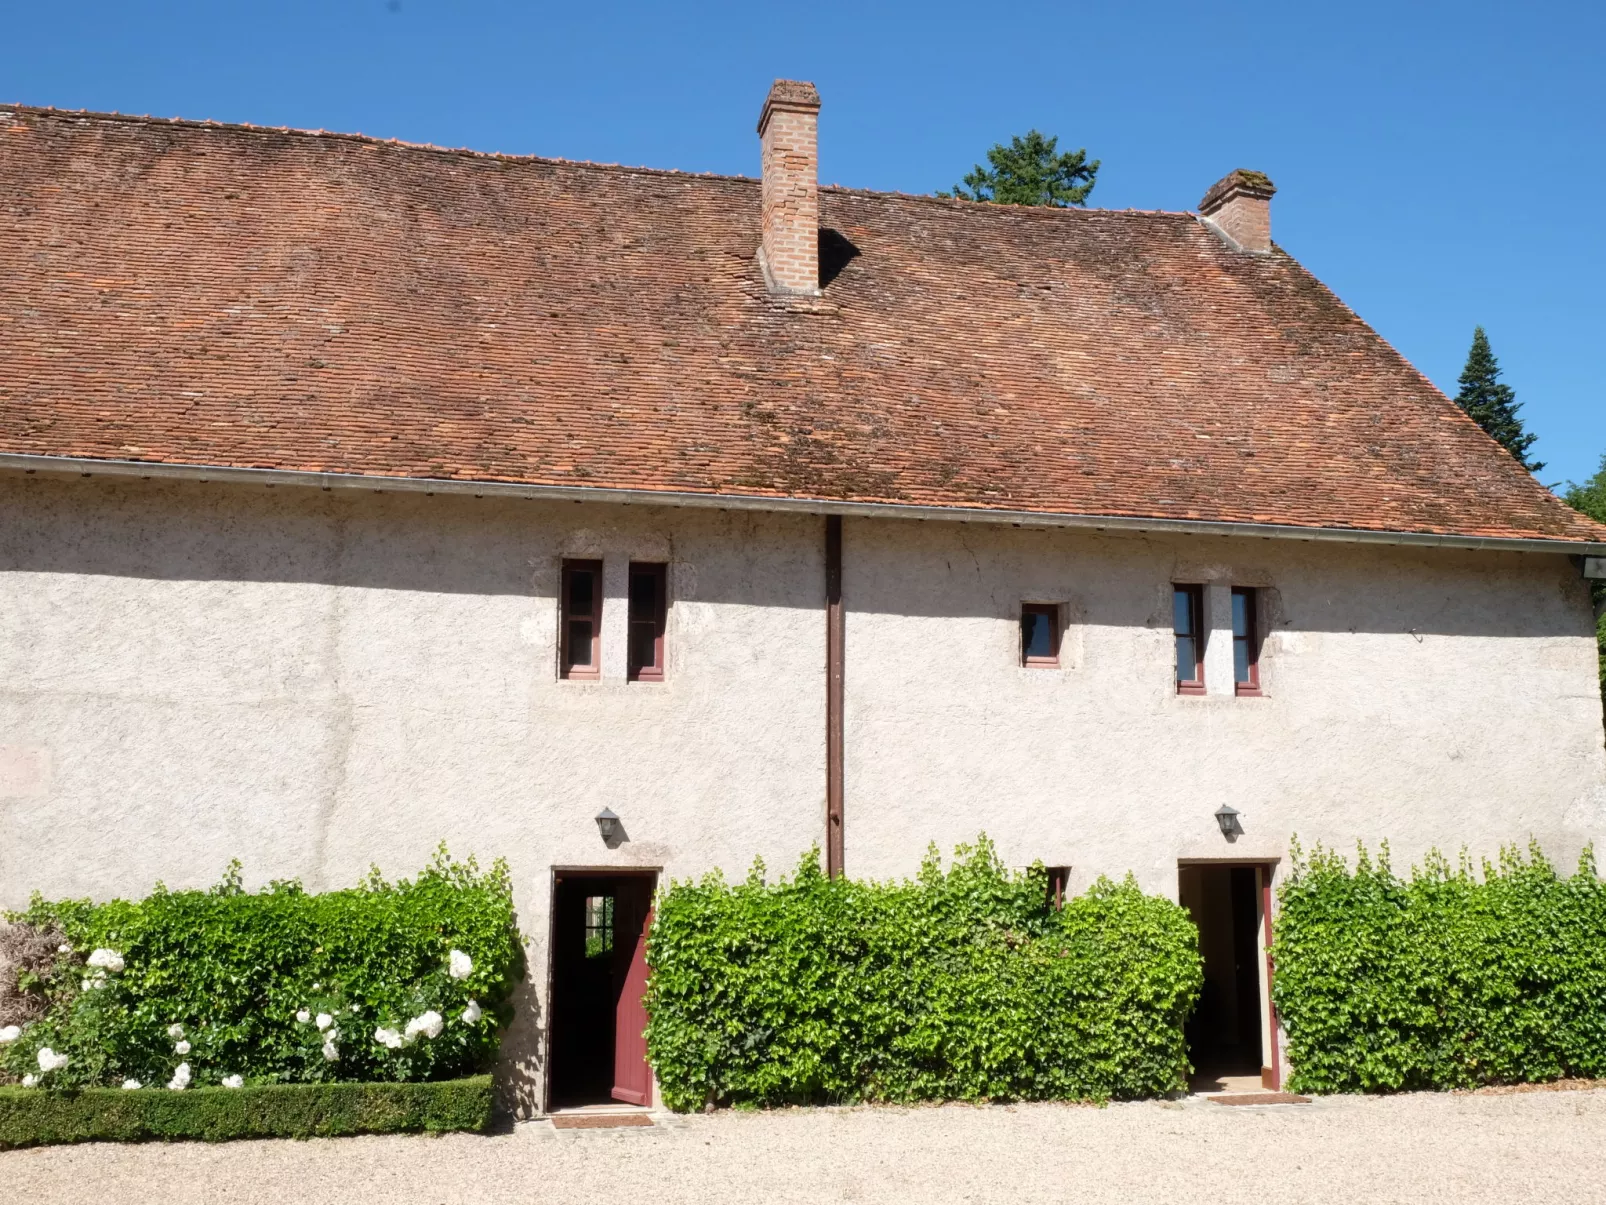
(358, 496)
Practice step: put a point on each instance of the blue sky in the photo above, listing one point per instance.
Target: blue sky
(1440, 165)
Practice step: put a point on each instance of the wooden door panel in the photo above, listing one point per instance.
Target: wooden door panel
(632, 1076)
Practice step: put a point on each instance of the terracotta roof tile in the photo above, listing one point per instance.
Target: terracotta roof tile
(191, 293)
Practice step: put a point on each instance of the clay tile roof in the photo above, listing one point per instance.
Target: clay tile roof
(198, 294)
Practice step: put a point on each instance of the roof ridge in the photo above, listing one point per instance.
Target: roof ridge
(245, 127)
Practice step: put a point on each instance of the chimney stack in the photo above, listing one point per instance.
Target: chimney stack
(1239, 206)
(789, 140)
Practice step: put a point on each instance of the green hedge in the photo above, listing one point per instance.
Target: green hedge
(31, 1117)
(962, 984)
(232, 970)
(1442, 980)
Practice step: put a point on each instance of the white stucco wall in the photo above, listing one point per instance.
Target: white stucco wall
(1430, 697)
(316, 681)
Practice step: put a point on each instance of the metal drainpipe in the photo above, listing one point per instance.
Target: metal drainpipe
(834, 647)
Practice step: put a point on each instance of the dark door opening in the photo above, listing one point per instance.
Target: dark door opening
(599, 975)
(1225, 1031)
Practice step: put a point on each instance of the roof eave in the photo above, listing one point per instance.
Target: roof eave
(91, 466)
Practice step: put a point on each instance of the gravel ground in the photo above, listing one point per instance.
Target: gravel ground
(1542, 1146)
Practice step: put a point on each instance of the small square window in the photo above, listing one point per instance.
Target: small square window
(1040, 635)
(648, 610)
(1245, 640)
(1188, 631)
(580, 620)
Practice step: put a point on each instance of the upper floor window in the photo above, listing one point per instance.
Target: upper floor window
(1040, 635)
(1245, 641)
(648, 598)
(580, 620)
(1187, 627)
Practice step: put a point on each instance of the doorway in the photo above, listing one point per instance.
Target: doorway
(1230, 1033)
(598, 1051)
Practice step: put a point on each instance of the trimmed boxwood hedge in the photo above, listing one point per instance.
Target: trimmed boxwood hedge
(1445, 979)
(963, 984)
(37, 1117)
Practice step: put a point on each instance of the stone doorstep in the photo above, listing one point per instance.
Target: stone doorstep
(1259, 1098)
(598, 1120)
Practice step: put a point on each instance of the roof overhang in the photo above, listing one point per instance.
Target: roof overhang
(90, 466)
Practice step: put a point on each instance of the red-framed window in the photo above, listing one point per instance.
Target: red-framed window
(580, 621)
(1040, 635)
(1059, 878)
(648, 609)
(1188, 629)
(1245, 640)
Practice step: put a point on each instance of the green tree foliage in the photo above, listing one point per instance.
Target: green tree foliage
(963, 984)
(232, 970)
(1590, 497)
(1493, 405)
(1029, 172)
(1443, 980)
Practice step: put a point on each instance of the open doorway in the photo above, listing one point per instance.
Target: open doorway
(1230, 1032)
(598, 1054)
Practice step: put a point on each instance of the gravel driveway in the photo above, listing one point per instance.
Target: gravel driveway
(1540, 1146)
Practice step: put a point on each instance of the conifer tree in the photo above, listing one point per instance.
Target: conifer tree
(1492, 405)
(1029, 172)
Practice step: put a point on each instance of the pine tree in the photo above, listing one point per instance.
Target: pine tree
(1029, 172)
(1494, 406)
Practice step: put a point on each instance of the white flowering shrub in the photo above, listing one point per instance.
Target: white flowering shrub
(403, 981)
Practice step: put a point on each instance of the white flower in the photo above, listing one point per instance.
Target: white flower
(29, 1081)
(325, 1021)
(175, 1031)
(233, 1081)
(90, 985)
(10, 1034)
(303, 1016)
(181, 1047)
(331, 1052)
(181, 1078)
(130, 1084)
(473, 1013)
(49, 1060)
(317, 987)
(110, 960)
(388, 1037)
(428, 1024)
(459, 965)
(64, 948)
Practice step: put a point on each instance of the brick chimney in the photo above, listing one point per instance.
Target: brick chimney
(789, 140)
(1239, 206)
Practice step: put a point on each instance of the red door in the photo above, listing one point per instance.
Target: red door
(632, 1077)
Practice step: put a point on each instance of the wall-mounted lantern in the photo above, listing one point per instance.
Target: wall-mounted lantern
(607, 824)
(1227, 818)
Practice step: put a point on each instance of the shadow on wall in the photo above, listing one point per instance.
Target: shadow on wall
(452, 544)
(518, 1071)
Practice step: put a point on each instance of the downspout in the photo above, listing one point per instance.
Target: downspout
(834, 646)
